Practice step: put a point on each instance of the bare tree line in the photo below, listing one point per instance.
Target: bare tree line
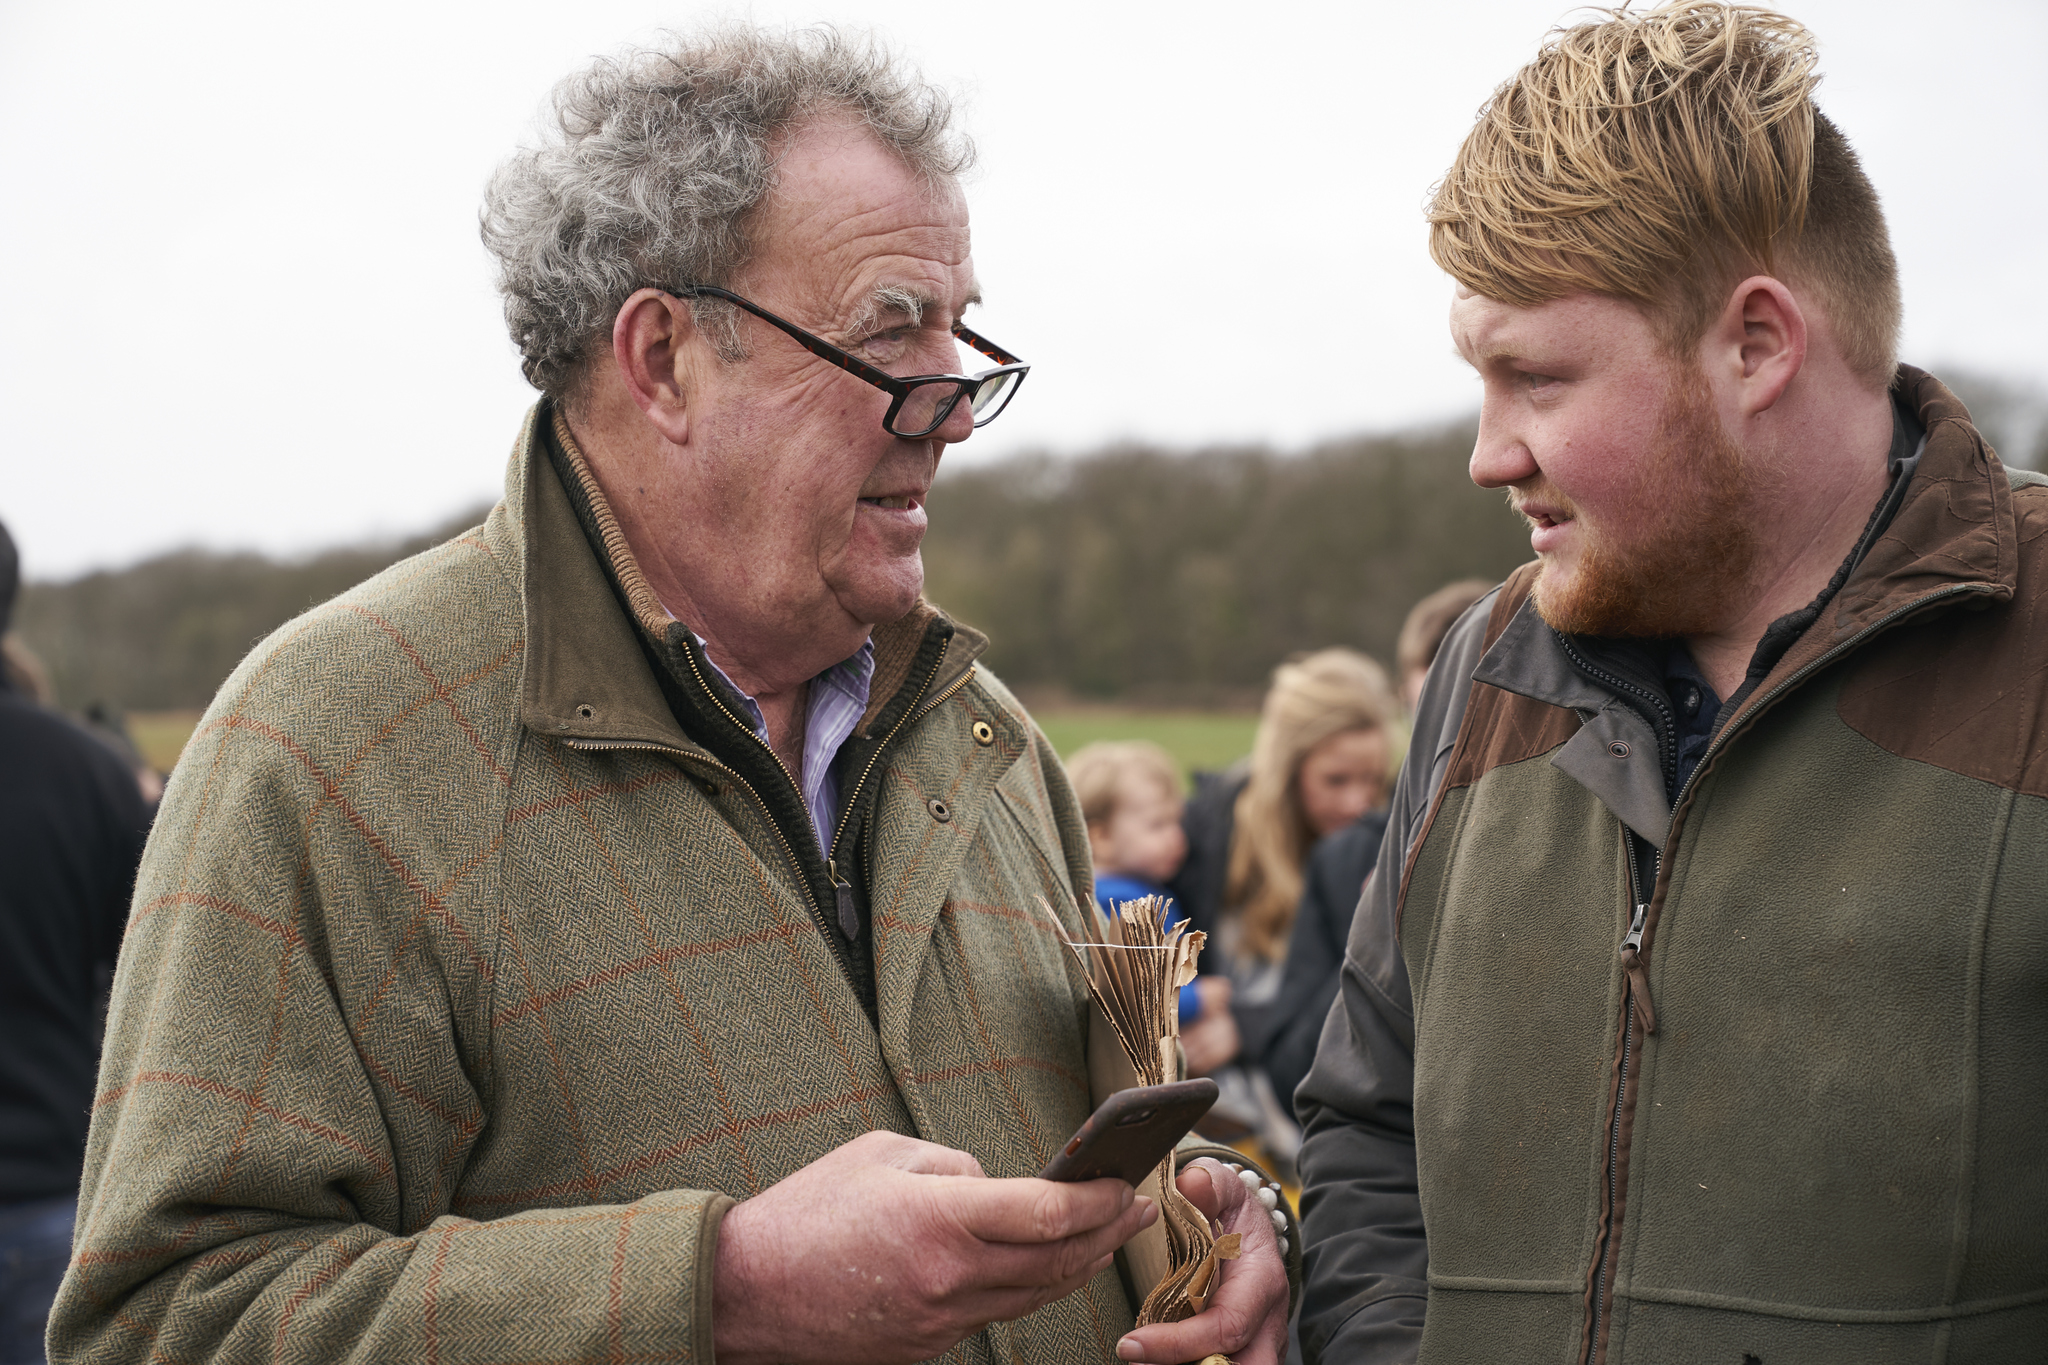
(1136, 574)
(1147, 576)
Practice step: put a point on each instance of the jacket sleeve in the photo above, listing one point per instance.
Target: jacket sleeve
(297, 1070)
(1367, 1256)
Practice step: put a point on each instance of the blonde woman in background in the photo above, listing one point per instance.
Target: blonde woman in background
(1325, 755)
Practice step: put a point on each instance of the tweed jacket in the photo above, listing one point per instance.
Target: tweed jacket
(464, 992)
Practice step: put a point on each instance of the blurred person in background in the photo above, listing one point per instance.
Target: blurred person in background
(1130, 795)
(72, 826)
(1337, 869)
(1422, 633)
(21, 672)
(1695, 1008)
(595, 938)
(1322, 757)
(112, 727)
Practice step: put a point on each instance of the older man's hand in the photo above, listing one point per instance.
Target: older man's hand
(891, 1249)
(1247, 1319)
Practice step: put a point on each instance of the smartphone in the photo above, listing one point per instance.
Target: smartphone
(1132, 1131)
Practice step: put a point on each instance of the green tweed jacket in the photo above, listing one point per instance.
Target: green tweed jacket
(464, 992)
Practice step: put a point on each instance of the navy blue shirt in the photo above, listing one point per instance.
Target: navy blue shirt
(1694, 709)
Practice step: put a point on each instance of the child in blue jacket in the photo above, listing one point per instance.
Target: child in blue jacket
(1130, 795)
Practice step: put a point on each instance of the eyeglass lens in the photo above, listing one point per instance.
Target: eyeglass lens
(928, 405)
(990, 397)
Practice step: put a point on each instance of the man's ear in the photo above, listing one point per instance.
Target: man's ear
(652, 340)
(1758, 345)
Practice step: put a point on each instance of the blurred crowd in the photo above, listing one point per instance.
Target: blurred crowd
(1267, 858)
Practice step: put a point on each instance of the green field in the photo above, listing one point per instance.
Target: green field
(1200, 741)
(160, 735)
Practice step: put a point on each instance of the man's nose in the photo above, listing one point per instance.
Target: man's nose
(959, 423)
(1501, 454)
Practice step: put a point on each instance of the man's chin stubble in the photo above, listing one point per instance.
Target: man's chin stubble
(1630, 595)
(1689, 572)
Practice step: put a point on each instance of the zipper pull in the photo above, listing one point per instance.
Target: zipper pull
(1638, 974)
(842, 892)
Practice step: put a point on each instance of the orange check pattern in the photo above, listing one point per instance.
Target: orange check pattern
(437, 1039)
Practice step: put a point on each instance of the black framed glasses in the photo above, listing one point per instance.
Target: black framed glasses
(918, 404)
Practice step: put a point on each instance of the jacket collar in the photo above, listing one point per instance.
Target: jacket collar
(1955, 528)
(1953, 539)
(1616, 752)
(586, 677)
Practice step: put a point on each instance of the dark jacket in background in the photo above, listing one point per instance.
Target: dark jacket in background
(1209, 820)
(1279, 1034)
(72, 824)
(1288, 1029)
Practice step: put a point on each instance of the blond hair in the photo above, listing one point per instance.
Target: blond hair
(1313, 697)
(1099, 772)
(1661, 157)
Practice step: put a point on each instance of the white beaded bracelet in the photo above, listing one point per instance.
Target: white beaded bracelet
(1269, 1196)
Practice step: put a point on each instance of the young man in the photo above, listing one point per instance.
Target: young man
(1694, 1009)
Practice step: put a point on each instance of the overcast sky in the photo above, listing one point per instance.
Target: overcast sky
(246, 305)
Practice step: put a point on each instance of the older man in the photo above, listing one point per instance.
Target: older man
(1694, 1011)
(616, 933)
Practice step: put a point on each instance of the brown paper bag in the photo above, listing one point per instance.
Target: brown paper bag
(1134, 975)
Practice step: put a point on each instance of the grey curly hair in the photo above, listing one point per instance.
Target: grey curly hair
(654, 162)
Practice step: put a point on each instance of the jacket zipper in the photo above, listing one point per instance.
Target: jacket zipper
(1667, 728)
(1637, 1011)
(803, 876)
(1636, 1003)
(842, 889)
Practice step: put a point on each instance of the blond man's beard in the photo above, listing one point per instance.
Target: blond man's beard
(1682, 562)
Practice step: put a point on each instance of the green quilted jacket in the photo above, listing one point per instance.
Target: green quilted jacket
(464, 991)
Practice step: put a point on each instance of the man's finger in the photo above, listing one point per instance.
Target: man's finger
(928, 1158)
(1006, 1305)
(1028, 1265)
(1199, 1187)
(1221, 1330)
(898, 1151)
(1032, 1210)
(1246, 1319)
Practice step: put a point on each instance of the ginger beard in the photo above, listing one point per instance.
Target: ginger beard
(1681, 562)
